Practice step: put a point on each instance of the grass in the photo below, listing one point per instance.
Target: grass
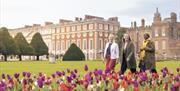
(44, 66)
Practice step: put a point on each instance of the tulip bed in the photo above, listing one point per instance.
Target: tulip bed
(92, 80)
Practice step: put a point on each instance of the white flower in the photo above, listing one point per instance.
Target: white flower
(35, 83)
(90, 87)
(99, 83)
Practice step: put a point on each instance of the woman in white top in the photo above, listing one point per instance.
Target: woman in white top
(111, 53)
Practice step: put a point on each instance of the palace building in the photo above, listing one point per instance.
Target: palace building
(165, 34)
(89, 34)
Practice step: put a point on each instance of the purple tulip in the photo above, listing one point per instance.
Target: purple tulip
(73, 75)
(58, 73)
(28, 74)
(174, 88)
(143, 77)
(9, 77)
(53, 75)
(164, 73)
(3, 76)
(24, 81)
(40, 82)
(176, 78)
(100, 72)
(95, 72)
(75, 70)
(16, 75)
(58, 81)
(24, 74)
(68, 70)
(107, 70)
(40, 74)
(43, 78)
(63, 73)
(85, 67)
(177, 69)
(88, 77)
(69, 79)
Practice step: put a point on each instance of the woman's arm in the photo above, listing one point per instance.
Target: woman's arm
(150, 47)
(131, 51)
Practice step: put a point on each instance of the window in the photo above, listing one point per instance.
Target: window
(73, 28)
(106, 27)
(91, 44)
(100, 44)
(57, 30)
(62, 29)
(84, 44)
(85, 27)
(156, 33)
(67, 44)
(79, 43)
(101, 26)
(79, 27)
(163, 44)
(62, 45)
(116, 28)
(53, 30)
(91, 26)
(57, 37)
(58, 45)
(156, 45)
(164, 32)
(68, 29)
(53, 45)
(111, 27)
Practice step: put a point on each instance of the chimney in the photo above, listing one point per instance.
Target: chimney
(135, 24)
(61, 21)
(76, 19)
(36, 25)
(142, 22)
(131, 24)
(48, 23)
(80, 19)
(113, 19)
(27, 26)
(173, 17)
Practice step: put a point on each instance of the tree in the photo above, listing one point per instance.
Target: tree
(7, 44)
(24, 47)
(73, 53)
(119, 35)
(39, 46)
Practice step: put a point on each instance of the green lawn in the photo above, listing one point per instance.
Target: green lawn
(47, 68)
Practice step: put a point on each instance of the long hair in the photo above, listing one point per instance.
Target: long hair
(123, 40)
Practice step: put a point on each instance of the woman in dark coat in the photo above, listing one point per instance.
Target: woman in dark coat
(127, 56)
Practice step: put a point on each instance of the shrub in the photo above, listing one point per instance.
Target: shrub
(73, 53)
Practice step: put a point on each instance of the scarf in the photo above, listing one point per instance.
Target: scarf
(142, 53)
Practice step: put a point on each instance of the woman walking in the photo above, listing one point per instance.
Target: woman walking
(111, 53)
(127, 56)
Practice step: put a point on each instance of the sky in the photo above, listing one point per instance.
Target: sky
(17, 13)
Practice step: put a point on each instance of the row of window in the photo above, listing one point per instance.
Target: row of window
(84, 44)
(160, 32)
(160, 44)
(85, 27)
